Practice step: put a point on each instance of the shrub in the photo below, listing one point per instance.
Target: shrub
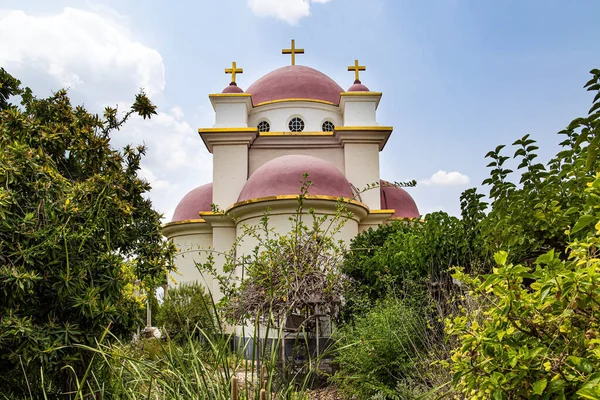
(540, 332)
(378, 352)
(185, 307)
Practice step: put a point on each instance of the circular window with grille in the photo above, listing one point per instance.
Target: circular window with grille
(328, 126)
(263, 126)
(296, 124)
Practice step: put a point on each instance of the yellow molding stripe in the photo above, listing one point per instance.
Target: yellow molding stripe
(360, 94)
(229, 95)
(405, 219)
(390, 211)
(210, 213)
(185, 221)
(232, 130)
(296, 133)
(364, 128)
(264, 103)
(295, 197)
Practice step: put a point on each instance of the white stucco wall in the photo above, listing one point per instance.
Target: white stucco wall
(360, 113)
(192, 241)
(362, 169)
(279, 114)
(230, 173)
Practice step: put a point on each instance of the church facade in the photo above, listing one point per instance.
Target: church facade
(293, 121)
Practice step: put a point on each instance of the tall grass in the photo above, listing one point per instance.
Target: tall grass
(202, 367)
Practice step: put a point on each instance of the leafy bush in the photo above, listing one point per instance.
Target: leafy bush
(529, 219)
(538, 339)
(377, 354)
(185, 307)
(76, 231)
(405, 252)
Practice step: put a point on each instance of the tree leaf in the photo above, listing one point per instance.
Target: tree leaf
(540, 386)
(501, 257)
(583, 221)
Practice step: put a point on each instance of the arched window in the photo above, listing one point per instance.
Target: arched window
(328, 126)
(296, 124)
(263, 126)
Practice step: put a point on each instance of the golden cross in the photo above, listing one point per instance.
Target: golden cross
(356, 68)
(234, 70)
(293, 51)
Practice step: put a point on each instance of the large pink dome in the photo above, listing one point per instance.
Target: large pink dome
(199, 199)
(284, 175)
(396, 198)
(295, 82)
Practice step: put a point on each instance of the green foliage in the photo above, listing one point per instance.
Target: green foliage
(377, 354)
(296, 272)
(75, 232)
(529, 219)
(412, 251)
(539, 334)
(185, 307)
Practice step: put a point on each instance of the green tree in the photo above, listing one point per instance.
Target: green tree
(537, 332)
(530, 218)
(75, 232)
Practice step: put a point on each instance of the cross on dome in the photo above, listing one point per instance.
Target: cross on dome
(293, 51)
(234, 70)
(357, 68)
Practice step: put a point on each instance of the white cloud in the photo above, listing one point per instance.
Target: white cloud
(290, 11)
(443, 178)
(95, 54)
(80, 48)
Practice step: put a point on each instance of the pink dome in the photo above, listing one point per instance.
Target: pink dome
(295, 82)
(283, 176)
(396, 198)
(358, 87)
(233, 88)
(199, 199)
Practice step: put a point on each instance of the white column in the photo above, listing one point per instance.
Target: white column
(230, 173)
(361, 161)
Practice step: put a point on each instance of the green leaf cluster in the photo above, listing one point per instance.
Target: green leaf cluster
(538, 332)
(75, 232)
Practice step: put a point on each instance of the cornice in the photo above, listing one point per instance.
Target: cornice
(363, 135)
(188, 227)
(227, 136)
(364, 97)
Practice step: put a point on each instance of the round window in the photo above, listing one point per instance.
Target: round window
(263, 126)
(296, 125)
(328, 126)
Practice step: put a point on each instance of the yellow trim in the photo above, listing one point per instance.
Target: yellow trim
(295, 133)
(264, 103)
(405, 219)
(364, 128)
(228, 130)
(210, 213)
(295, 197)
(229, 95)
(185, 221)
(360, 94)
(390, 211)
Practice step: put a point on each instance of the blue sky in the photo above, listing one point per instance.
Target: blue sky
(458, 77)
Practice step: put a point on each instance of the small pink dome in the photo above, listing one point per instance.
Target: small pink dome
(233, 88)
(295, 82)
(199, 199)
(393, 197)
(283, 176)
(358, 87)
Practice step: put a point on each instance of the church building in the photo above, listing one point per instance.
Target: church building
(293, 121)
